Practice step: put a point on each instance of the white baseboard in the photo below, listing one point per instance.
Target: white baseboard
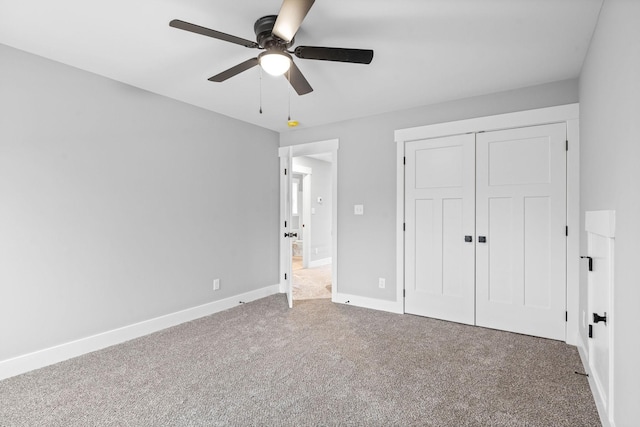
(584, 357)
(49, 356)
(372, 303)
(320, 262)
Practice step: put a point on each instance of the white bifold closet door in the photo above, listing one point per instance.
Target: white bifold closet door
(485, 218)
(521, 212)
(439, 213)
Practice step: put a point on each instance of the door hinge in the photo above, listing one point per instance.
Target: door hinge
(404, 226)
(404, 293)
(566, 230)
(566, 316)
(285, 276)
(567, 145)
(285, 224)
(404, 160)
(590, 331)
(285, 171)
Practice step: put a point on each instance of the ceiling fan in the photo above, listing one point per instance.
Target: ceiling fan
(275, 35)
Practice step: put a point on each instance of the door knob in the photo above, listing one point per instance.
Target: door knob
(482, 239)
(290, 234)
(597, 318)
(468, 239)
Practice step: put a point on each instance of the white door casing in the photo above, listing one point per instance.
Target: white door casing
(521, 215)
(440, 223)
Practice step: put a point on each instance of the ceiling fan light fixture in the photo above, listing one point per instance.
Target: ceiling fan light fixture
(275, 63)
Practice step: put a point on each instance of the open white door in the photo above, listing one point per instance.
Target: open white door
(286, 281)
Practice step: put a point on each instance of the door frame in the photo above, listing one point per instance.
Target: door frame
(305, 215)
(319, 147)
(568, 114)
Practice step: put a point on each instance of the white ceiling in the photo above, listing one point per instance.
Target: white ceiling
(426, 51)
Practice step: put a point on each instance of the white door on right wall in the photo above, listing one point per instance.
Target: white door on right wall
(520, 230)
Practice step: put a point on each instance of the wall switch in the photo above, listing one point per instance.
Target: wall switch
(358, 209)
(382, 282)
(216, 284)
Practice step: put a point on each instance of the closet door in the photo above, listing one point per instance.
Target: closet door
(439, 213)
(520, 223)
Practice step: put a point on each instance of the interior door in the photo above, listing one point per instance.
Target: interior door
(286, 279)
(439, 228)
(520, 224)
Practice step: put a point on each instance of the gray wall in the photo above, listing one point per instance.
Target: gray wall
(117, 205)
(367, 175)
(321, 220)
(610, 165)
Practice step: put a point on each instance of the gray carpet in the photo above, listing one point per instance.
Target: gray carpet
(317, 364)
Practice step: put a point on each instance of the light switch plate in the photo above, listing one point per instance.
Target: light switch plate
(358, 209)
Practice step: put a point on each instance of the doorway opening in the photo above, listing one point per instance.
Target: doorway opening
(309, 220)
(311, 214)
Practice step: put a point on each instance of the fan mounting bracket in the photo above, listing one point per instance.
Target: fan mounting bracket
(264, 34)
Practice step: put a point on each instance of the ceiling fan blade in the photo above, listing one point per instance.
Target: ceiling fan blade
(297, 80)
(356, 56)
(243, 66)
(176, 23)
(290, 17)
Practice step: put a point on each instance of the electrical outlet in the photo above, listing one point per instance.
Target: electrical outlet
(382, 282)
(216, 284)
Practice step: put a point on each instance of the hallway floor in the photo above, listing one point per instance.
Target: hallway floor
(310, 283)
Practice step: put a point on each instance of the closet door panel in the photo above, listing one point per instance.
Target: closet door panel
(439, 213)
(521, 210)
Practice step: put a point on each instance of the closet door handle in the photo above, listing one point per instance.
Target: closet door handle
(468, 239)
(482, 239)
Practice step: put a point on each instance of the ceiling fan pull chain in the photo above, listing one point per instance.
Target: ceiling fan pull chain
(260, 90)
(289, 93)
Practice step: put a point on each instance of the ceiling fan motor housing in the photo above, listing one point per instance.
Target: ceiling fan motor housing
(264, 36)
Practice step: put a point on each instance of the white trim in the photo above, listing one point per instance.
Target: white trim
(573, 241)
(365, 302)
(563, 113)
(307, 225)
(602, 223)
(48, 356)
(320, 262)
(303, 170)
(311, 148)
(540, 116)
(584, 358)
(400, 226)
